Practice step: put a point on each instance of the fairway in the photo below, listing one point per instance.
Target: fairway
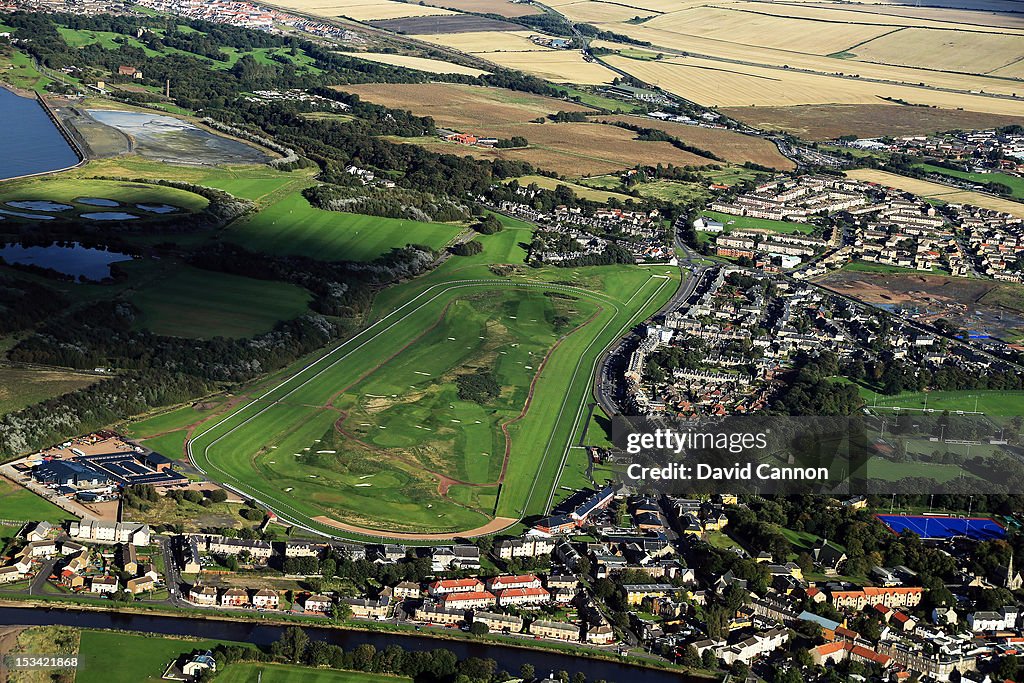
(189, 302)
(284, 673)
(292, 226)
(399, 452)
(67, 191)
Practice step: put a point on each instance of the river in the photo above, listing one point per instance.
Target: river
(29, 142)
(508, 658)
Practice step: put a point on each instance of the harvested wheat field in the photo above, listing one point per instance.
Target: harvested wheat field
(964, 51)
(956, 16)
(436, 66)
(480, 42)
(502, 7)
(748, 54)
(830, 121)
(750, 28)
(362, 10)
(868, 16)
(572, 150)
(729, 145)
(930, 190)
(462, 107)
(600, 12)
(561, 66)
(715, 83)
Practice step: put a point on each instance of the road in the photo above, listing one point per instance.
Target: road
(607, 375)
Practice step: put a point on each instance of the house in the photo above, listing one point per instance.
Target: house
(448, 558)
(39, 532)
(42, 548)
(259, 551)
(874, 595)
(446, 586)
(317, 604)
(70, 579)
(499, 583)
(433, 614)
(530, 546)
(9, 574)
(128, 558)
(467, 600)
(140, 584)
(555, 630)
(130, 71)
(189, 546)
(499, 623)
(234, 597)
(522, 596)
(407, 590)
(104, 584)
(265, 598)
(367, 609)
(600, 634)
(110, 532)
(636, 593)
(300, 549)
(203, 595)
(195, 666)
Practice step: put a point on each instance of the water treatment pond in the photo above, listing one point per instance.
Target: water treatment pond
(74, 259)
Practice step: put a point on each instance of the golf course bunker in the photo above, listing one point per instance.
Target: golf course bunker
(175, 141)
(96, 201)
(40, 205)
(109, 216)
(158, 208)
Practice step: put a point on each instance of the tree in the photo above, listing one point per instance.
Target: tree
(291, 647)
(709, 660)
(479, 628)
(527, 671)
(218, 495)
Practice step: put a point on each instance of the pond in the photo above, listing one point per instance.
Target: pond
(29, 140)
(176, 141)
(40, 205)
(109, 216)
(88, 263)
(96, 201)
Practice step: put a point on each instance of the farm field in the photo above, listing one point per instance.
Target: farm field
(930, 190)
(481, 42)
(22, 387)
(602, 12)
(713, 82)
(410, 404)
(560, 66)
(968, 52)
(830, 121)
(292, 226)
(502, 7)
(731, 146)
(463, 107)
(21, 505)
(189, 302)
(748, 222)
(284, 673)
(434, 23)
(419, 63)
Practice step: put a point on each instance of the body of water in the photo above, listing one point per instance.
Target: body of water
(508, 658)
(109, 216)
(72, 259)
(29, 142)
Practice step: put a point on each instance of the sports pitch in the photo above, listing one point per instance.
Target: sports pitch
(370, 439)
(978, 528)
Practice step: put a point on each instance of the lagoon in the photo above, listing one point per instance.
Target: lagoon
(29, 140)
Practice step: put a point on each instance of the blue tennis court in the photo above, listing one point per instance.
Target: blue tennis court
(978, 528)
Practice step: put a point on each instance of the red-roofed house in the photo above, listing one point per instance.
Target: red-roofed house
(522, 596)
(467, 600)
(499, 583)
(446, 586)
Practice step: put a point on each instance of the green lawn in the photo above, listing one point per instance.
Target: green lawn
(868, 267)
(580, 191)
(189, 302)
(283, 673)
(1016, 183)
(110, 657)
(17, 70)
(21, 387)
(21, 505)
(292, 226)
(746, 222)
(998, 403)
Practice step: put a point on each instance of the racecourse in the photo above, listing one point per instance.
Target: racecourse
(282, 424)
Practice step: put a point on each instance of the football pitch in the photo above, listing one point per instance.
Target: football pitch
(989, 402)
(372, 438)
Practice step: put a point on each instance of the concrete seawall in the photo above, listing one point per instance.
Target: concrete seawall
(72, 142)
